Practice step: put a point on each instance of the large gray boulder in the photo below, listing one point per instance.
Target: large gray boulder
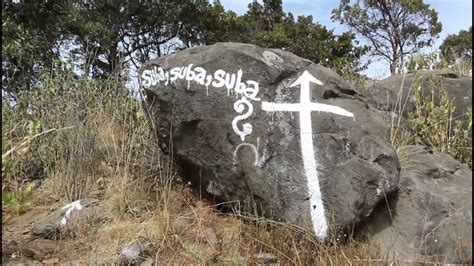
(395, 93)
(430, 219)
(234, 118)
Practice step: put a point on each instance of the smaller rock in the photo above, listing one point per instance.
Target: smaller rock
(175, 201)
(39, 249)
(210, 236)
(81, 211)
(266, 258)
(14, 255)
(395, 93)
(45, 230)
(147, 262)
(430, 219)
(131, 251)
(27, 252)
(181, 223)
(51, 261)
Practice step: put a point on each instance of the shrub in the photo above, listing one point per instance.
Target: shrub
(434, 123)
(80, 138)
(18, 200)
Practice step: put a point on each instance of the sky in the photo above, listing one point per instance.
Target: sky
(455, 15)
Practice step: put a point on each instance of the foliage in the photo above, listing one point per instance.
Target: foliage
(457, 46)
(394, 29)
(110, 38)
(423, 61)
(110, 34)
(31, 35)
(18, 200)
(269, 26)
(456, 52)
(103, 37)
(356, 80)
(434, 123)
(78, 129)
(20, 166)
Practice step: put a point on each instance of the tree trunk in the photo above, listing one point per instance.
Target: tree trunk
(393, 65)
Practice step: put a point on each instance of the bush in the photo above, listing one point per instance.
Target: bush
(434, 123)
(80, 138)
(19, 200)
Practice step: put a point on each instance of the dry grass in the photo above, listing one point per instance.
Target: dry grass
(194, 232)
(112, 155)
(463, 68)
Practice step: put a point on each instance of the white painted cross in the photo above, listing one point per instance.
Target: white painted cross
(305, 107)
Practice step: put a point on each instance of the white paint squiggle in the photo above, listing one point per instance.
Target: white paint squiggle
(76, 205)
(239, 107)
(254, 149)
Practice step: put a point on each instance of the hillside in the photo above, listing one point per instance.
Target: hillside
(99, 145)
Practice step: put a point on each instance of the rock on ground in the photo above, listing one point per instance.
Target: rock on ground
(393, 94)
(212, 108)
(431, 217)
(68, 218)
(131, 251)
(266, 258)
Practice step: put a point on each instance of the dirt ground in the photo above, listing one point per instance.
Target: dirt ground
(20, 247)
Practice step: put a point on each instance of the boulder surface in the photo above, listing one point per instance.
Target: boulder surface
(271, 132)
(430, 219)
(395, 93)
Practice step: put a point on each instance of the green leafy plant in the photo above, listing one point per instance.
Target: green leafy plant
(423, 62)
(434, 123)
(18, 200)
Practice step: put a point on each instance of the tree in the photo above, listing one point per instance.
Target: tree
(103, 37)
(393, 28)
(457, 46)
(111, 34)
(268, 26)
(209, 23)
(31, 38)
